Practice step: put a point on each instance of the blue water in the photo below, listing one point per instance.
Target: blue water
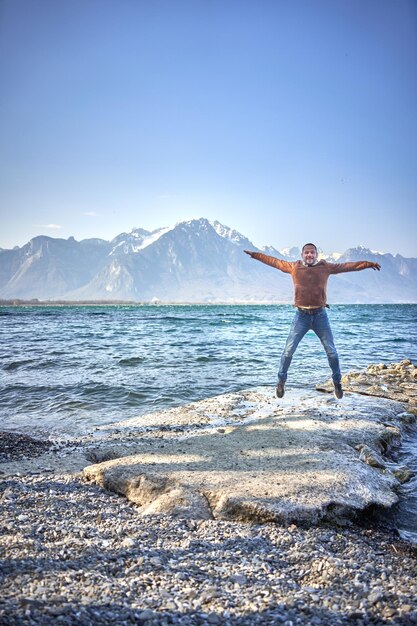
(65, 370)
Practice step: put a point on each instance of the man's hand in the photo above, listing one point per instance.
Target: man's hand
(249, 252)
(376, 266)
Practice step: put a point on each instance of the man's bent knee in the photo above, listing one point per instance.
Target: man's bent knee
(288, 352)
(332, 354)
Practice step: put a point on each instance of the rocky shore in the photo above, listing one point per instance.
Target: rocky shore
(397, 381)
(76, 554)
(174, 537)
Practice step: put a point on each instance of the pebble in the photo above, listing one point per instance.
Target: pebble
(375, 596)
(76, 554)
(240, 580)
(146, 615)
(128, 543)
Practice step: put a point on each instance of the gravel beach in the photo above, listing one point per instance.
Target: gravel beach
(73, 553)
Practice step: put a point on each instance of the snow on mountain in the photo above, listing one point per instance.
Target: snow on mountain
(364, 250)
(229, 233)
(291, 254)
(271, 251)
(330, 258)
(154, 236)
(136, 240)
(335, 256)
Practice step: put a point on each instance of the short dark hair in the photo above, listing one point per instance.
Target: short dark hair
(309, 244)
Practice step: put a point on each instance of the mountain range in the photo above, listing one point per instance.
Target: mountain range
(192, 261)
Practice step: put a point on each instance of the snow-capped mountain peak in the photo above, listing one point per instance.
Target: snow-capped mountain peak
(361, 252)
(291, 253)
(228, 233)
(153, 236)
(378, 252)
(137, 239)
(334, 256)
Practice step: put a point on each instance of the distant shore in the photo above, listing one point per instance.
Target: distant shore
(16, 302)
(36, 302)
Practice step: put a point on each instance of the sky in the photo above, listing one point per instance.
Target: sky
(288, 120)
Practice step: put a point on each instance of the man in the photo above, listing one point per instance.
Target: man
(310, 282)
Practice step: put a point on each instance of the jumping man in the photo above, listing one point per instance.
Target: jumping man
(310, 282)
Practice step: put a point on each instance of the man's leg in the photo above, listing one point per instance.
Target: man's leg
(300, 325)
(321, 327)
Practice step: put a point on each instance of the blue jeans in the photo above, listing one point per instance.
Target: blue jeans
(303, 322)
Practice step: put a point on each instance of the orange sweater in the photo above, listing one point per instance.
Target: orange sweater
(310, 282)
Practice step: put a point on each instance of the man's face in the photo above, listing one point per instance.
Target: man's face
(309, 255)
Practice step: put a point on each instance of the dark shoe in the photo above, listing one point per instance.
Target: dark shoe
(280, 390)
(338, 391)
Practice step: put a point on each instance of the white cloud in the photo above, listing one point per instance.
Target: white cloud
(53, 226)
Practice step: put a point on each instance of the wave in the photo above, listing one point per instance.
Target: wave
(132, 361)
(14, 365)
(395, 340)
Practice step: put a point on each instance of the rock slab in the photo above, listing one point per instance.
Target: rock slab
(396, 381)
(260, 460)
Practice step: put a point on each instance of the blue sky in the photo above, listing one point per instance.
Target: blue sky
(289, 120)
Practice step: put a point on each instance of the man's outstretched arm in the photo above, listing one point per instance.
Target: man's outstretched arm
(353, 266)
(284, 266)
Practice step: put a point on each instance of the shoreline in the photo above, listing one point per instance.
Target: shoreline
(238, 429)
(77, 553)
(218, 452)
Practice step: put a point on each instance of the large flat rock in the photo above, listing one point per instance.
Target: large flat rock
(397, 381)
(249, 457)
